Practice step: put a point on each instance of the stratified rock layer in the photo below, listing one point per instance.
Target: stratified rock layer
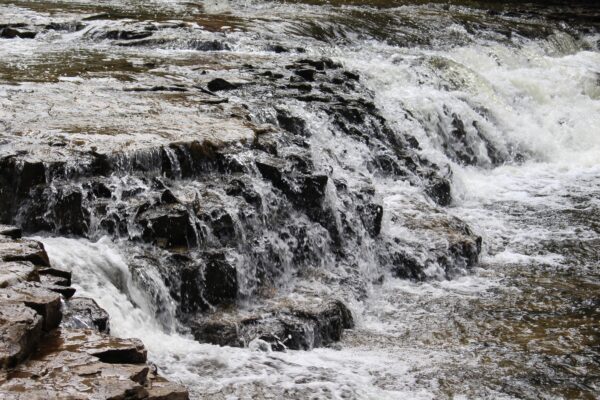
(40, 358)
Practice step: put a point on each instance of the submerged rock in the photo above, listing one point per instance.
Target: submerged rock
(282, 326)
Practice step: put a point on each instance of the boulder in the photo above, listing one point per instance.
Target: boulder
(282, 326)
(218, 84)
(84, 313)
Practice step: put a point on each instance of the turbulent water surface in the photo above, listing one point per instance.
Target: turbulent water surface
(523, 80)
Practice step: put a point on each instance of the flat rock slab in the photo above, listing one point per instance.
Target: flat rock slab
(15, 272)
(45, 302)
(161, 389)
(23, 250)
(106, 348)
(74, 364)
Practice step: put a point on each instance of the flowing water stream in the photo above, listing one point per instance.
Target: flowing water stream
(525, 323)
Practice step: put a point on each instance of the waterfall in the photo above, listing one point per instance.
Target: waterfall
(432, 170)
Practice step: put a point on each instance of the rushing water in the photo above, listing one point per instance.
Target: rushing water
(526, 322)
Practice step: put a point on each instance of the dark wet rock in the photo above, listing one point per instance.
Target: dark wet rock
(222, 225)
(439, 189)
(371, 216)
(276, 48)
(238, 187)
(126, 35)
(159, 88)
(20, 332)
(217, 331)
(218, 84)
(69, 26)
(283, 326)
(292, 124)
(220, 279)
(101, 191)
(208, 45)
(209, 281)
(168, 226)
(303, 190)
(167, 197)
(84, 313)
(11, 33)
(406, 266)
(10, 231)
(301, 87)
(308, 74)
(351, 75)
(70, 214)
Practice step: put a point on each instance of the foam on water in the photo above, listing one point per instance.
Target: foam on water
(100, 272)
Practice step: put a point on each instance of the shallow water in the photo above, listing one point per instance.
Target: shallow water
(524, 324)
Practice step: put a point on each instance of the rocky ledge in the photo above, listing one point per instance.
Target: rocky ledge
(55, 346)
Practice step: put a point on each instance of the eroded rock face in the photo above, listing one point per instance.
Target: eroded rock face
(84, 364)
(286, 181)
(20, 332)
(40, 357)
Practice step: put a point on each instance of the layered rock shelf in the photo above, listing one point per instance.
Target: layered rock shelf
(54, 345)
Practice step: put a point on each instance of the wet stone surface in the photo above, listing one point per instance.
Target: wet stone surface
(45, 352)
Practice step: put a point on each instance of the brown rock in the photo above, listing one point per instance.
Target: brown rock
(58, 276)
(106, 348)
(161, 389)
(43, 301)
(20, 332)
(23, 250)
(13, 273)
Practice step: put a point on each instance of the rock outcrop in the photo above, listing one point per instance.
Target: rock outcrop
(56, 346)
(278, 326)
